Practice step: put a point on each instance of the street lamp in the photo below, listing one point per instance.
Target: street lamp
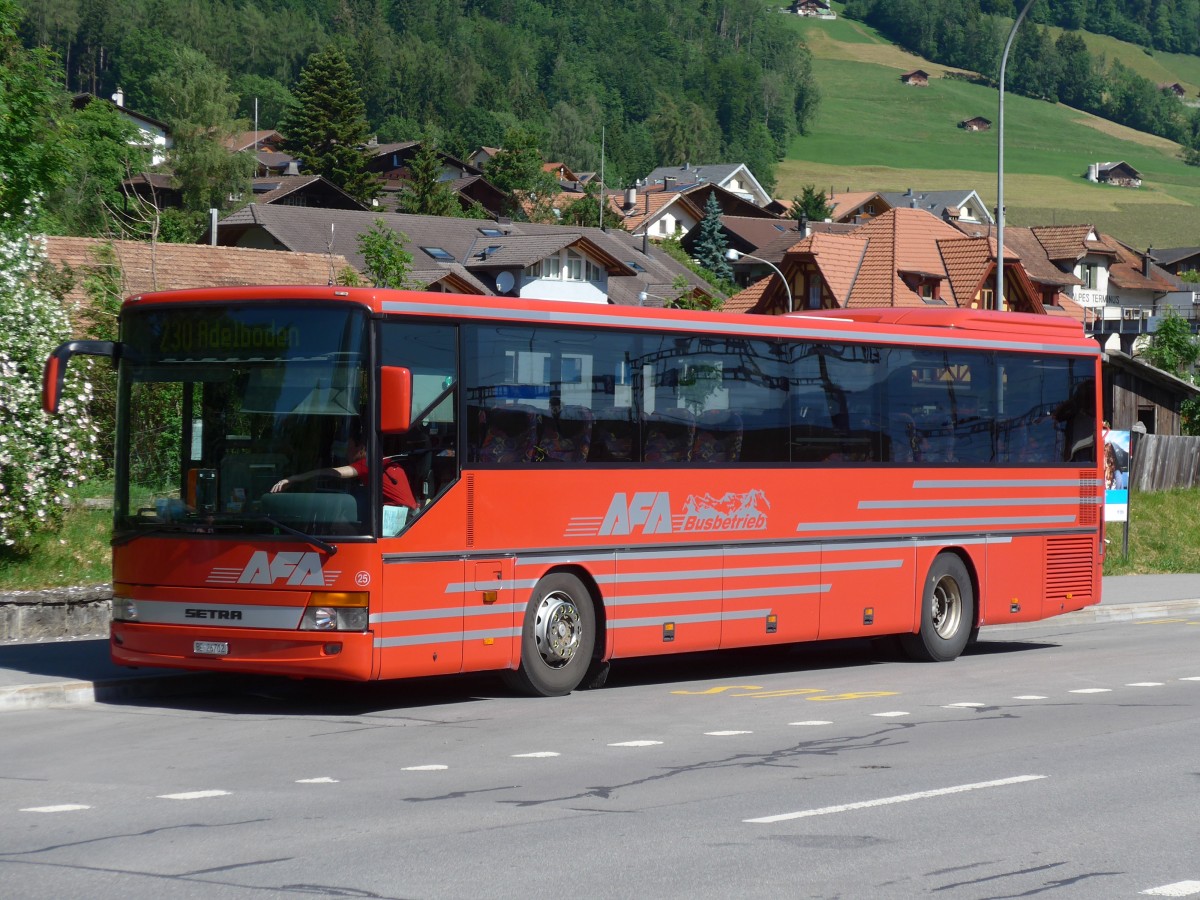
(734, 255)
(999, 298)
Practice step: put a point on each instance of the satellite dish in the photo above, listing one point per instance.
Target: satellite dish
(505, 282)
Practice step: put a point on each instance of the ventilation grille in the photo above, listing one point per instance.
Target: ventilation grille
(470, 510)
(1070, 564)
(1090, 500)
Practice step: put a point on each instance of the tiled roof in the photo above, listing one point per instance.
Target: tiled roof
(847, 202)
(307, 229)
(146, 267)
(745, 300)
(840, 258)
(1069, 243)
(1035, 259)
(244, 140)
(1127, 272)
(274, 188)
(758, 233)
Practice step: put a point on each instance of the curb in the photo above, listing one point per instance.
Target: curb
(173, 683)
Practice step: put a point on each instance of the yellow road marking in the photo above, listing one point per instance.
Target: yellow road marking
(718, 690)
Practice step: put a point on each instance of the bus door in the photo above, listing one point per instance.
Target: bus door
(492, 620)
(419, 622)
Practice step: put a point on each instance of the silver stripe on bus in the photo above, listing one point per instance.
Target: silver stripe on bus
(933, 523)
(418, 615)
(218, 615)
(1007, 484)
(778, 329)
(990, 501)
(415, 640)
(690, 619)
(701, 596)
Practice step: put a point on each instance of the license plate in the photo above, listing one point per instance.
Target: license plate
(211, 648)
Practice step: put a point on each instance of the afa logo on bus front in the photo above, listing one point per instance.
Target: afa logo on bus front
(651, 512)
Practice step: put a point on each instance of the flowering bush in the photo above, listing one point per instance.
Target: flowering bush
(40, 455)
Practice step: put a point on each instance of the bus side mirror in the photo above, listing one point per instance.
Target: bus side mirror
(56, 368)
(395, 400)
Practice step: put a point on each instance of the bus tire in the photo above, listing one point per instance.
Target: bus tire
(947, 613)
(557, 638)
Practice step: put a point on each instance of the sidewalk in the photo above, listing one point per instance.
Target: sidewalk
(79, 671)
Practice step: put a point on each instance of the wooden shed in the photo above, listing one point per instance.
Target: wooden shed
(976, 123)
(916, 78)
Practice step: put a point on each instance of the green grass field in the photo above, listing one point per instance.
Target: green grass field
(887, 136)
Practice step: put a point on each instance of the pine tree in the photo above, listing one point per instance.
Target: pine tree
(426, 194)
(710, 246)
(327, 127)
(811, 204)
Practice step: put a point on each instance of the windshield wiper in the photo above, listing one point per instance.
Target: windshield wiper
(331, 549)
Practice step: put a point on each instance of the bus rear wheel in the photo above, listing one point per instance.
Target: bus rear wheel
(947, 613)
(557, 638)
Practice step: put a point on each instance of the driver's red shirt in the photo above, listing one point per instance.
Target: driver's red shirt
(396, 489)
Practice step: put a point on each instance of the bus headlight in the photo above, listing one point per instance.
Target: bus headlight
(124, 607)
(335, 611)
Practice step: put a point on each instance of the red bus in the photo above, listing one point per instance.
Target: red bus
(549, 486)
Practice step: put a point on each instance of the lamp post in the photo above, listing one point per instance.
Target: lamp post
(734, 255)
(999, 298)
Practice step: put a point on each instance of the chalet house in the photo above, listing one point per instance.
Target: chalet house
(976, 123)
(915, 78)
(733, 177)
(1178, 260)
(667, 210)
(481, 257)
(1119, 290)
(391, 165)
(963, 208)
(903, 258)
(1174, 88)
(856, 207)
(817, 8)
(1119, 173)
(155, 136)
(267, 147)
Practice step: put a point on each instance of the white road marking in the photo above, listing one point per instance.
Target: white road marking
(1091, 691)
(963, 705)
(1191, 678)
(812, 722)
(726, 733)
(636, 744)
(540, 754)
(1178, 889)
(886, 801)
(322, 780)
(1029, 697)
(1145, 684)
(433, 768)
(62, 807)
(890, 715)
(193, 795)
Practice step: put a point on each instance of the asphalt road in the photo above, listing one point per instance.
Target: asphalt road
(1058, 759)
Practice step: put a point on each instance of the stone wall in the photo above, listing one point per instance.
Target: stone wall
(55, 613)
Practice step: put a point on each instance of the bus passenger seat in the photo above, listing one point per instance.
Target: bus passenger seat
(509, 434)
(669, 435)
(718, 437)
(566, 437)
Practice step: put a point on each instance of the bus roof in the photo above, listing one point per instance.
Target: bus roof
(934, 326)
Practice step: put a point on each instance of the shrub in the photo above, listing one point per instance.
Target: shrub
(40, 455)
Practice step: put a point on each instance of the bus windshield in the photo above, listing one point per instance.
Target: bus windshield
(221, 408)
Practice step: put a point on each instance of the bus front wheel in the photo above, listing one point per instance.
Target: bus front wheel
(947, 612)
(557, 638)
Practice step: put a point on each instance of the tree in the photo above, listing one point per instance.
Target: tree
(200, 109)
(33, 155)
(517, 170)
(387, 262)
(40, 456)
(426, 194)
(327, 128)
(105, 149)
(1173, 348)
(812, 205)
(711, 245)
